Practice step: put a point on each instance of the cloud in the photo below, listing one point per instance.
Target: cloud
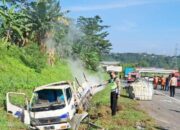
(119, 4)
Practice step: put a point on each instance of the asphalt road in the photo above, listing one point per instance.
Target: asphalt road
(164, 109)
(177, 93)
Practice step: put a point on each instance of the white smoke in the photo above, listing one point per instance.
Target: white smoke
(64, 48)
(78, 70)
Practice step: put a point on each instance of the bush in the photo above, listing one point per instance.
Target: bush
(34, 58)
(9, 49)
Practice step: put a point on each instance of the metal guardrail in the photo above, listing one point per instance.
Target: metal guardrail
(81, 119)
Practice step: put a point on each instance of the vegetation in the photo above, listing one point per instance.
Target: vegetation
(145, 60)
(92, 44)
(42, 22)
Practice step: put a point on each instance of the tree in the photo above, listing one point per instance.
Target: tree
(14, 24)
(95, 33)
(34, 20)
(46, 14)
(93, 43)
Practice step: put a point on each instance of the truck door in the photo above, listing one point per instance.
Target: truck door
(70, 101)
(17, 105)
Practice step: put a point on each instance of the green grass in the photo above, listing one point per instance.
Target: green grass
(126, 118)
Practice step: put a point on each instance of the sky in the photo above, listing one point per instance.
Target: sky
(151, 26)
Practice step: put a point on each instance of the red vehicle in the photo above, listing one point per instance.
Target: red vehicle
(133, 76)
(177, 75)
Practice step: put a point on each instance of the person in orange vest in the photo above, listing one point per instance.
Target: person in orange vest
(163, 83)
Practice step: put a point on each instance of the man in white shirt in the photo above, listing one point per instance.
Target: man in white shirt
(173, 84)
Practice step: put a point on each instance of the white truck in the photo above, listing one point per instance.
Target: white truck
(52, 106)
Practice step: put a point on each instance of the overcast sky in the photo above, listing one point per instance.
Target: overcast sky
(151, 26)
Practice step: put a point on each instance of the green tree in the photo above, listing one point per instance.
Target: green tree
(14, 24)
(46, 14)
(93, 44)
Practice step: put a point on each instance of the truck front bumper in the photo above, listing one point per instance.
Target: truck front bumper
(61, 126)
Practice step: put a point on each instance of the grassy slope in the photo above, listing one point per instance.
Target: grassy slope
(127, 116)
(15, 76)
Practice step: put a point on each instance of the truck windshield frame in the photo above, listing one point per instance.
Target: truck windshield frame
(68, 92)
(47, 99)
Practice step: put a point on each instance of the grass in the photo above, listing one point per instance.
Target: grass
(127, 118)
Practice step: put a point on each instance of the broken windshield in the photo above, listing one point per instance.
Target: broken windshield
(48, 98)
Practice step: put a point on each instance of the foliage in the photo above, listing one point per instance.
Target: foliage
(14, 24)
(22, 21)
(34, 58)
(46, 14)
(92, 44)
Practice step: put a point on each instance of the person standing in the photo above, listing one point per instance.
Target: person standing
(163, 83)
(173, 84)
(155, 82)
(167, 83)
(159, 82)
(115, 91)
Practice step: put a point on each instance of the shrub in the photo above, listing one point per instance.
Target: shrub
(34, 58)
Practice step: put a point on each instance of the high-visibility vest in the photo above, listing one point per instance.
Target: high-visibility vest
(113, 85)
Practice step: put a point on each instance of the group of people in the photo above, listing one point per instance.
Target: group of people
(166, 83)
(163, 82)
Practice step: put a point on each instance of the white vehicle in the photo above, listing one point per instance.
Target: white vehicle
(51, 107)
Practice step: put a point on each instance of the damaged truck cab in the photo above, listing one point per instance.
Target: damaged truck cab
(51, 107)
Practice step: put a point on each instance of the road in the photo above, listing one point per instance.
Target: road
(177, 93)
(164, 109)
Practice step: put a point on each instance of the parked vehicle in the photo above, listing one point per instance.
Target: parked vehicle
(133, 76)
(177, 75)
(127, 71)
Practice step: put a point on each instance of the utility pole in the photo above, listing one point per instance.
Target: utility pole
(175, 59)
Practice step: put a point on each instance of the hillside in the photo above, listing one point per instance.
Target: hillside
(144, 59)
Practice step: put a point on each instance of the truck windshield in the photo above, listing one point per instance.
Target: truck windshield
(48, 99)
